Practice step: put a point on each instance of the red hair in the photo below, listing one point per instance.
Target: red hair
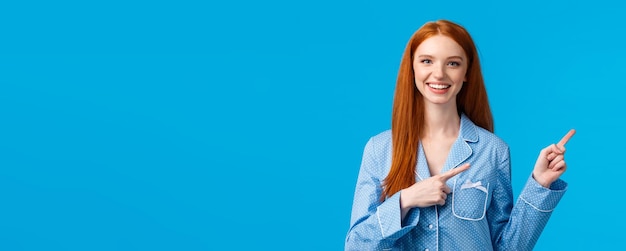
(407, 120)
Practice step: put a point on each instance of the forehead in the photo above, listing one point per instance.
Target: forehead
(440, 46)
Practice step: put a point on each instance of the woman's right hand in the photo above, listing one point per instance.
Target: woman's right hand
(428, 192)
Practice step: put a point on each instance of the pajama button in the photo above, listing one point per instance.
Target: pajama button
(430, 226)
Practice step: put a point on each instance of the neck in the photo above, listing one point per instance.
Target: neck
(441, 121)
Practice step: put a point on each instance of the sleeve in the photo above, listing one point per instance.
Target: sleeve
(518, 227)
(375, 225)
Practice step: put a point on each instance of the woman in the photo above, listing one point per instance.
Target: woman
(420, 192)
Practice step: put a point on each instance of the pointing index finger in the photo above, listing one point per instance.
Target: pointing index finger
(566, 137)
(453, 172)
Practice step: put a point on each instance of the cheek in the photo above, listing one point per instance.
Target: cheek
(459, 77)
(420, 75)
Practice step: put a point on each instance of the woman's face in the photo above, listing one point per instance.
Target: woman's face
(439, 65)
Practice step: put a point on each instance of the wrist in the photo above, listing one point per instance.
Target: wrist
(404, 203)
(543, 183)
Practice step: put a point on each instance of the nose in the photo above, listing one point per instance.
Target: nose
(438, 71)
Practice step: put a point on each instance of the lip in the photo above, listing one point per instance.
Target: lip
(431, 86)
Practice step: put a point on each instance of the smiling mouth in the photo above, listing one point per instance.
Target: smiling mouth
(439, 86)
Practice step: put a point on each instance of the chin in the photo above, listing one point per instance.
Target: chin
(439, 101)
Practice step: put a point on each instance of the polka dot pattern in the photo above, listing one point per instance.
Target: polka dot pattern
(479, 214)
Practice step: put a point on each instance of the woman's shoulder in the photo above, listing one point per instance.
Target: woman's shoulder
(491, 138)
(489, 142)
(382, 136)
(476, 134)
(381, 140)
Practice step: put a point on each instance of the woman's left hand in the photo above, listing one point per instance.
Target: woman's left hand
(551, 162)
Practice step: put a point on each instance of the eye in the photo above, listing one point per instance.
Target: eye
(454, 63)
(426, 61)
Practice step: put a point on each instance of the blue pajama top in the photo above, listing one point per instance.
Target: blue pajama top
(479, 214)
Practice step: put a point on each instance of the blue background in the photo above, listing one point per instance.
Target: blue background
(187, 125)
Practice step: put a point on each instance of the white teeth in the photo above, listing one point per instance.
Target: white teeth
(438, 86)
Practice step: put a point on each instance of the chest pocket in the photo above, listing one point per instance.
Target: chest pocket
(469, 199)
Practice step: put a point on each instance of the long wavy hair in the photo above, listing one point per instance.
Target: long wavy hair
(407, 120)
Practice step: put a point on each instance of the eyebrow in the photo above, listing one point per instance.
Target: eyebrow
(451, 57)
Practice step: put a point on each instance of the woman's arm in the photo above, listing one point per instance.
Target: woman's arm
(375, 225)
(518, 227)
